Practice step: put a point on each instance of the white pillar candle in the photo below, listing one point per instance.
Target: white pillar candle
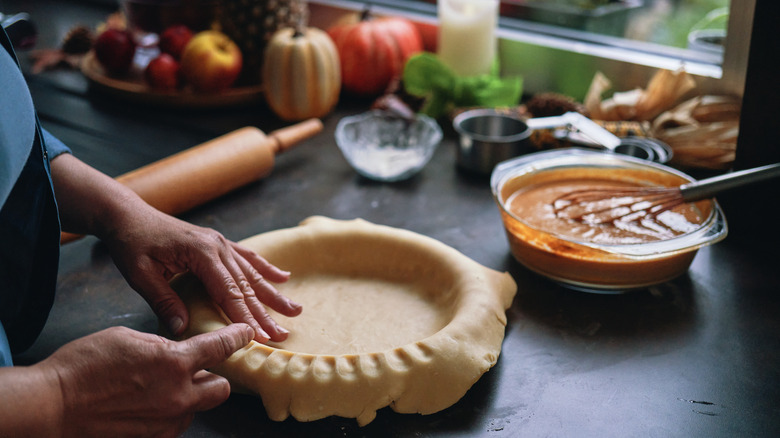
(467, 40)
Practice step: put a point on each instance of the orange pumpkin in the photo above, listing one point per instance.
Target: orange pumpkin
(373, 52)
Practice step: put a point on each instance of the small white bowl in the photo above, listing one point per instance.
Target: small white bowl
(384, 147)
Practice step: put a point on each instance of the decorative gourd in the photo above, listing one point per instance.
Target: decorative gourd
(301, 73)
(373, 51)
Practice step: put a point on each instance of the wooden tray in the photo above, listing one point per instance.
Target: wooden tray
(133, 88)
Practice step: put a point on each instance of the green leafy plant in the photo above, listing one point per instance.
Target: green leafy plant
(425, 75)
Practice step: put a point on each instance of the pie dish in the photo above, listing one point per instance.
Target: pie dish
(391, 318)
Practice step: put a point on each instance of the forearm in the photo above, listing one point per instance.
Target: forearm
(89, 201)
(150, 247)
(30, 403)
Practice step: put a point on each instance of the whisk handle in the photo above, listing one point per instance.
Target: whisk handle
(709, 187)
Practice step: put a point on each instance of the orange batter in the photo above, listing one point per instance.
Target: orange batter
(549, 244)
(533, 204)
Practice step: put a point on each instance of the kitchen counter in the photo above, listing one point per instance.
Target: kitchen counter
(698, 356)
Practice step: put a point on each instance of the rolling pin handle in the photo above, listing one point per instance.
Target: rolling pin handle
(285, 138)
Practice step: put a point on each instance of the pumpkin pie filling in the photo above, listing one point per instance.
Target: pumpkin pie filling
(578, 253)
(534, 204)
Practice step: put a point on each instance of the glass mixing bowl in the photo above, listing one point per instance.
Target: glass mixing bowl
(598, 267)
(384, 147)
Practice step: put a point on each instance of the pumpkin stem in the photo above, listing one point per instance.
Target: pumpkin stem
(366, 14)
(300, 24)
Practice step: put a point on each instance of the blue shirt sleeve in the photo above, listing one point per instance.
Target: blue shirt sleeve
(5, 349)
(53, 145)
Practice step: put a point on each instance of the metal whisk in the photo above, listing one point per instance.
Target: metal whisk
(610, 204)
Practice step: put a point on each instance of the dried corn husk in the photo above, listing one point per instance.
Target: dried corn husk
(700, 109)
(663, 91)
(701, 131)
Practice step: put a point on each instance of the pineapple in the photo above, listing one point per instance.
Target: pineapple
(250, 23)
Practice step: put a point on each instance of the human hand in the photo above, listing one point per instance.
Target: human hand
(152, 247)
(123, 383)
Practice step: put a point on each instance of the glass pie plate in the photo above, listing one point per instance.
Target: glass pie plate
(599, 267)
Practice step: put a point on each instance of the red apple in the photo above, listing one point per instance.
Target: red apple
(162, 73)
(115, 49)
(211, 61)
(174, 39)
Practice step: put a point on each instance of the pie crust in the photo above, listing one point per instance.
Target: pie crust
(390, 317)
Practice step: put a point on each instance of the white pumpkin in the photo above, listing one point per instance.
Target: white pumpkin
(301, 73)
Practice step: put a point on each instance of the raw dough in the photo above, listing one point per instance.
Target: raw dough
(390, 317)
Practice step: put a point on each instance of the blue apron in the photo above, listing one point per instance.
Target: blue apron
(29, 222)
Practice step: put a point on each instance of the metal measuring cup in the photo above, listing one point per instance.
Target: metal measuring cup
(487, 137)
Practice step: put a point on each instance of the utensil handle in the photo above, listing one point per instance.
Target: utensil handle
(584, 125)
(287, 137)
(593, 130)
(709, 187)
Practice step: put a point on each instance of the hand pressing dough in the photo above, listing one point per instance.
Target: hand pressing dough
(390, 317)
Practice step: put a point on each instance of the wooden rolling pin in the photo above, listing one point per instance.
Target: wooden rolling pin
(207, 171)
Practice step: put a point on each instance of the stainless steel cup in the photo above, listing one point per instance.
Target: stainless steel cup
(487, 137)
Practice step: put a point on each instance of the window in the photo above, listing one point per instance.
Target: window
(558, 45)
(695, 24)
